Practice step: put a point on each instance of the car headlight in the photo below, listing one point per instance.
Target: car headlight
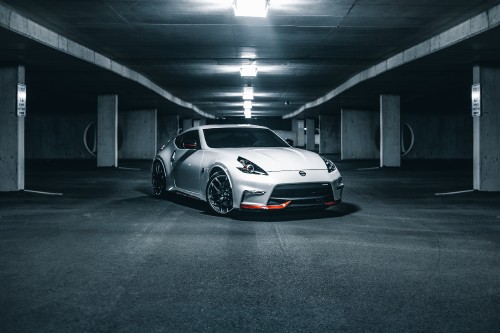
(250, 167)
(329, 165)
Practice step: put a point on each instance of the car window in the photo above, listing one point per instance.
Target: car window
(237, 137)
(187, 139)
(178, 141)
(191, 140)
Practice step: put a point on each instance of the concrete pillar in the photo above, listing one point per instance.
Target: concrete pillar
(486, 131)
(358, 131)
(11, 131)
(310, 143)
(199, 122)
(139, 134)
(187, 123)
(329, 134)
(168, 128)
(300, 134)
(107, 131)
(294, 131)
(390, 131)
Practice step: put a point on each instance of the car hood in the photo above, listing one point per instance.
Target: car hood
(280, 159)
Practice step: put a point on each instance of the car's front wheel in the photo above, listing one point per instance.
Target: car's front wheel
(220, 193)
(159, 180)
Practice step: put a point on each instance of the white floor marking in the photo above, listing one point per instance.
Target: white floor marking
(125, 168)
(457, 192)
(42, 192)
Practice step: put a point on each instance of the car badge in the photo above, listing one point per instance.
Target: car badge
(302, 173)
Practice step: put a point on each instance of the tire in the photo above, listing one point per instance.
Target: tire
(159, 180)
(220, 194)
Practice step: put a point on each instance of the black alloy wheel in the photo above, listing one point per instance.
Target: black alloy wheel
(220, 193)
(159, 180)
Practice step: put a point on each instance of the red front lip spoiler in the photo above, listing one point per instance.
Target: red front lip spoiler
(265, 207)
(281, 206)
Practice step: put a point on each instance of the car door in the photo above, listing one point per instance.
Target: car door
(186, 162)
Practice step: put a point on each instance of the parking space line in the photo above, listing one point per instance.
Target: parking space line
(42, 192)
(457, 192)
(125, 168)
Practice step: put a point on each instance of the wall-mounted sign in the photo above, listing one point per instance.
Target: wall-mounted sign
(21, 100)
(476, 100)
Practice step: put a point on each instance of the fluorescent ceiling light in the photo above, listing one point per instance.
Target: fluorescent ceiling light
(248, 113)
(247, 93)
(248, 70)
(247, 104)
(253, 8)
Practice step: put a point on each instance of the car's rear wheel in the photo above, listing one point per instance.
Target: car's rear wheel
(220, 193)
(159, 180)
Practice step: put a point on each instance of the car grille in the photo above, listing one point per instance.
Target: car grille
(302, 195)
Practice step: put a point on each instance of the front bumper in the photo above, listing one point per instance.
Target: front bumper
(290, 190)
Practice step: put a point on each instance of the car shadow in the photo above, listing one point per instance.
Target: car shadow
(287, 216)
(176, 198)
(187, 201)
(344, 209)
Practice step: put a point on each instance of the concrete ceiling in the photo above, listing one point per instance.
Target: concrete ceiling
(194, 48)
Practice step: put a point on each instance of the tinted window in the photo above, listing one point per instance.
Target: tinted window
(188, 140)
(242, 137)
(178, 141)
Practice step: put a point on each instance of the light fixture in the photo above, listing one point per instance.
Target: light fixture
(247, 104)
(253, 8)
(247, 93)
(248, 113)
(248, 71)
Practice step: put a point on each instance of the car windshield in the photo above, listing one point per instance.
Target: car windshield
(238, 137)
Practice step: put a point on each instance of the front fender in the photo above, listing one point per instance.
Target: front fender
(220, 166)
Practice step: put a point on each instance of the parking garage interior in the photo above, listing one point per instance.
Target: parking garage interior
(402, 95)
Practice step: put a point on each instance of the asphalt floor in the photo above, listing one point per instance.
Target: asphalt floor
(411, 249)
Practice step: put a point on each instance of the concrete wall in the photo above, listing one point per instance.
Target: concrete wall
(292, 135)
(329, 134)
(285, 134)
(437, 136)
(440, 136)
(168, 128)
(139, 134)
(57, 135)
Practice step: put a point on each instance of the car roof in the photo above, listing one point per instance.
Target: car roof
(225, 126)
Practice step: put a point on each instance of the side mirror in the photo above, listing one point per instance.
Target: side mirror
(289, 141)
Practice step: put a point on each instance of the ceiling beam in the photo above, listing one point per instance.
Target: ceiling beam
(472, 27)
(17, 23)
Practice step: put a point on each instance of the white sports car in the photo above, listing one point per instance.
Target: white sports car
(244, 167)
